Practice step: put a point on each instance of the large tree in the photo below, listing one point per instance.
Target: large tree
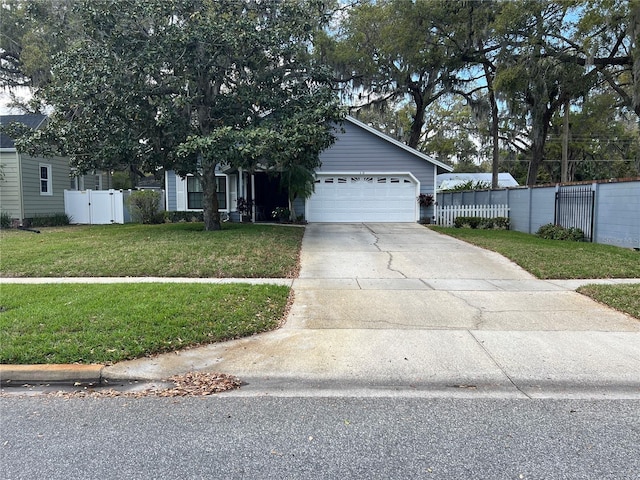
(532, 78)
(390, 50)
(31, 34)
(191, 85)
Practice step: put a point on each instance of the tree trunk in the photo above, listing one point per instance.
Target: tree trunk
(418, 118)
(541, 116)
(537, 157)
(210, 198)
(292, 211)
(495, 138)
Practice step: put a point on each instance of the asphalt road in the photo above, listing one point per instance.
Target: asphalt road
(301, 438)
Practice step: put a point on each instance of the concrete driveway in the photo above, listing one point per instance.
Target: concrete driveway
(398, 309)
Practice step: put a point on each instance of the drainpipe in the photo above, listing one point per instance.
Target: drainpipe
(21, 213)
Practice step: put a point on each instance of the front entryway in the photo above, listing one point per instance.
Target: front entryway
(268, 195)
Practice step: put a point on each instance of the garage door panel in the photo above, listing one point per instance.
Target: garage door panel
(363, 198)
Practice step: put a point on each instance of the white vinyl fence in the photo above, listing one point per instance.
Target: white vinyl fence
(94, 207)
(446, 215)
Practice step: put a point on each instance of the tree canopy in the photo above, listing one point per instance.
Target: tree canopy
(516, 64)
(190, 85)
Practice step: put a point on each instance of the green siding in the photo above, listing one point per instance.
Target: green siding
(34, 202)
(10, 185)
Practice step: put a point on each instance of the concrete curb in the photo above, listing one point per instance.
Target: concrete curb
(64, 373)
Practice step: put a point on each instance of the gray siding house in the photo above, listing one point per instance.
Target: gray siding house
(30, 186)
(365, 176)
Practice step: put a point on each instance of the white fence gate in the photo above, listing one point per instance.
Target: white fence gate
(94, 207)
(445, 216)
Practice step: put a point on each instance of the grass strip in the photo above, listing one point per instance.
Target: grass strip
(69, 323)
(554, 259)
(625, 298)
(168, 250)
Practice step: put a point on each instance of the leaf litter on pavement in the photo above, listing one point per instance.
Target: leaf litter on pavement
(192, 384)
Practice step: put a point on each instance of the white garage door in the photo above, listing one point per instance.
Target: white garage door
(363, 198)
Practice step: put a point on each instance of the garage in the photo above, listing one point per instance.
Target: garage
(363, 198)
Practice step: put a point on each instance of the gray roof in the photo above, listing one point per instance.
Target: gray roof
(33, 120)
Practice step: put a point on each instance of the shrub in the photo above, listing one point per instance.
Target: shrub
(467, 222)
(558, 232)
(281, 214)
(5, 220)
(502, 223)
(181, 217)
(144, 206)
(54, 220)
(425, 199)
(498, 223)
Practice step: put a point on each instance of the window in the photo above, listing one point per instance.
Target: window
(45, 179)
(194, 193)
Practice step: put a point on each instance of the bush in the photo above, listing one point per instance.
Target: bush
(180, 217)
(425, 199)
(502, 223)
(281, 214)
(54, 220)
(5, 220)
(144, 206)
(558, 232)
(467, 222)
(498, 223)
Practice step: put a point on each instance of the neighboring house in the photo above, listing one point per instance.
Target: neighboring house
(449, 181)
(365, 176)
(30, 186)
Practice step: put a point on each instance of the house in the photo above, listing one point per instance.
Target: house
(30, 186)
(449, 181)
(365, 176)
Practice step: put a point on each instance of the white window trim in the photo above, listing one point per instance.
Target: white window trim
(49, 180)
(186, 192)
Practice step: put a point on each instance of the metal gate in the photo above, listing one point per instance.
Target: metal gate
(574, 208)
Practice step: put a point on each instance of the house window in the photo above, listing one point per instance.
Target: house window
(194, 193)
(45, 179)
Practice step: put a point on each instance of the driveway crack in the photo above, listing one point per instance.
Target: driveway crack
(389, 267)
(375, 235)
(478, 316)
(375, 244)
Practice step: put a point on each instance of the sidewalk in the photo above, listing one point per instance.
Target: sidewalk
(400, 310)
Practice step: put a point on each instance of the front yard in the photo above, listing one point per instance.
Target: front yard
(80, 323)
(98, 323)
(168, 250)
(92, 323)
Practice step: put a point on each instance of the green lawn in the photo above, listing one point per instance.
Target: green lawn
(168, 250)
(69, 323)
(625, 298)
(554, 259)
